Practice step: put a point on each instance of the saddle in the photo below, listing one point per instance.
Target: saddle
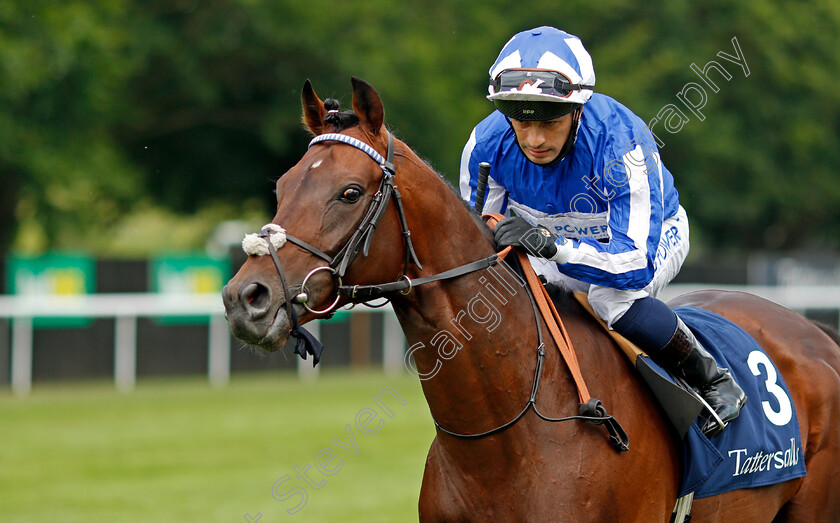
(767, 430)
(681, 404)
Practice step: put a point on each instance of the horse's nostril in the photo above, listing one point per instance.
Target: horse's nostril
(256, 297)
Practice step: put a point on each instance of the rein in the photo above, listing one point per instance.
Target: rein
(590, 409)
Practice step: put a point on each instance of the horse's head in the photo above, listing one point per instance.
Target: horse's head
(328, 207)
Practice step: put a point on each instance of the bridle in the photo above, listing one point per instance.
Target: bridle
(360, 240)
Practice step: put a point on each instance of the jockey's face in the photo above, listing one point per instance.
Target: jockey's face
(542, 141)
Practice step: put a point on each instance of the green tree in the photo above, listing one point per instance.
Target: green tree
(119, 116)
(62, 70)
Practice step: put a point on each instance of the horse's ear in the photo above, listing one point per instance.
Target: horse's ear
(367, 106)
(313, 109)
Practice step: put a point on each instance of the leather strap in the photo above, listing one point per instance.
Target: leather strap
(309, 247)
(371, 292)
(551, 316)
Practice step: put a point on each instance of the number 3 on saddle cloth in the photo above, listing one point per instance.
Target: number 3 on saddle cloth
(762, 446)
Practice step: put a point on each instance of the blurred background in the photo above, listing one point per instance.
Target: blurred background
(140, 140)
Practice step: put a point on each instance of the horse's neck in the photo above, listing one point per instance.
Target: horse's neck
(473, 338)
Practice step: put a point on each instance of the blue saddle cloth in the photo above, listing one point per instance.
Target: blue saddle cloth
(763, 446)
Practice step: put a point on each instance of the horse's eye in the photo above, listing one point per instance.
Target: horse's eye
(351, 195)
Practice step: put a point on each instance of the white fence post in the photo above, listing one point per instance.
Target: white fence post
(393, 344)
(125, 353)
(21, 369)
(218, 358)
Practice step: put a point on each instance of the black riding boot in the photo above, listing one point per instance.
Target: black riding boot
(685, 357)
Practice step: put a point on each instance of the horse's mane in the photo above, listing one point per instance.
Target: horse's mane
(414, 158)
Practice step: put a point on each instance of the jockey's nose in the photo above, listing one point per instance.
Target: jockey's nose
(533, 136)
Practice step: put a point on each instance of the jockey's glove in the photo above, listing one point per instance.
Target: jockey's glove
(536, 240)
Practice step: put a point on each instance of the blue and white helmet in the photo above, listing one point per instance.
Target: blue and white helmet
(543, 64)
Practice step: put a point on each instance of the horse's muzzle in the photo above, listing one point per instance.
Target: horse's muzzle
(252, 315)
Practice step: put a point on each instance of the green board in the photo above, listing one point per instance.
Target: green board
(188, 274)
(52, 275)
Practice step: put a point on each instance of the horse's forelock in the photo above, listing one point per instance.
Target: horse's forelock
(339, 120)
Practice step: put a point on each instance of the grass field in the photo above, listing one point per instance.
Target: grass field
(179, 450)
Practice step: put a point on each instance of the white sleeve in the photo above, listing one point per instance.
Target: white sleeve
(467, 192)
(495, 198)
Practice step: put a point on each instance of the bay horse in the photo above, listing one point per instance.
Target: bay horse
(346, 238)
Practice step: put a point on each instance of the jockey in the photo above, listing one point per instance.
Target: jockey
(594, 206)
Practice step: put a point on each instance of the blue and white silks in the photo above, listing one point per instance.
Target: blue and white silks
(609, 196)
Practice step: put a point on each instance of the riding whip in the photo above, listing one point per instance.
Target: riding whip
(481, 187)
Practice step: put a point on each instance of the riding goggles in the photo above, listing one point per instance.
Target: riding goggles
(535, 81)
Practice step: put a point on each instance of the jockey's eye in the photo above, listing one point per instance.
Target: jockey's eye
(351, 194)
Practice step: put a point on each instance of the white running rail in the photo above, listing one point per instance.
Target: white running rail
(126, 308)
